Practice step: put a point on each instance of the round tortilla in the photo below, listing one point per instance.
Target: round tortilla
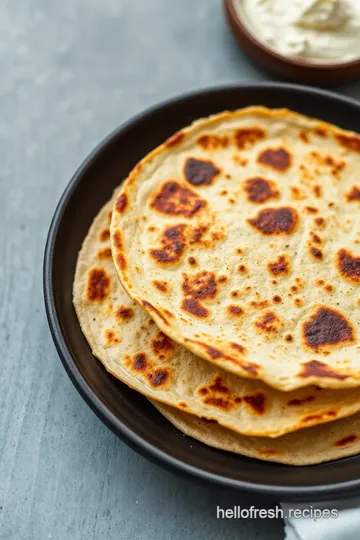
(133, 349)
(240, 236)
(308, 446)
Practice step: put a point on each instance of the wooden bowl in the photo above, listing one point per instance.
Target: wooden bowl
(288, 68)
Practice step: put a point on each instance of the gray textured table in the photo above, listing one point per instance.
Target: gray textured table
(70, 72)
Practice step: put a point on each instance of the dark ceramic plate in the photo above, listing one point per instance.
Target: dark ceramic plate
(125, 412)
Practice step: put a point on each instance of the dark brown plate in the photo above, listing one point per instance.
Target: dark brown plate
(125, 412)
(296, 70)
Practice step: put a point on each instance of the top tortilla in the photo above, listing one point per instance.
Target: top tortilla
(240, 236)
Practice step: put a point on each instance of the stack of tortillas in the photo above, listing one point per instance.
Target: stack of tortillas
(223, 283)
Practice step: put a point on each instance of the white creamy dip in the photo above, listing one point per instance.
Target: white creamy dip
(316, 30)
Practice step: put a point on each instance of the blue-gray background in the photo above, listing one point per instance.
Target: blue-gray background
(70, 72)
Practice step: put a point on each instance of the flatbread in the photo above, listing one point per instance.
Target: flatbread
(308, 446)
(240, 236)
(133, 349)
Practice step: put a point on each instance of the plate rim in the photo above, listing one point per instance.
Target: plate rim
(153, 453)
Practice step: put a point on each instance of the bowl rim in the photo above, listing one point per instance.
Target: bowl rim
(148, 450)
(297, 63)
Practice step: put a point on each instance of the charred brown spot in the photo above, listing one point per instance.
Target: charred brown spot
(275, 221)
(304, 137)
(281, 266)
(321, 132)
(302, 401)
(117, 240)
(235, 311)
(204, 237)
(276, 158)
(260, 190)
(151, 308)
(104, 254)
(351, 142)
(175, 139)
(317, 190)
(192, 261)
(162, 345)
(316, 253)
(327, 327)
(350, 439)
(259, 304)
(354, 194)
(197, 234)
(120, 259)
(111, 337)
(121, 203)
(317, 418)
(213, 390)
(177, 200)
(161, 286)
(200, 286)
(329, 288)
(256, 402)
(159, 378)
(348, 265)
(222, 279)
(296, 193)
(212, 142)
(104, 235)
(237, 347)
(320, 222)
(311, 210)
(240, 161)
(199, 172)
(193, 306)
(329, 160)
(277, 299)
(314, 368)
(246, 137)
(215, 354)
(269, 323)
(315, 238)
(125, 314)
(173, 245)
(219, 402)
(140, 362)
(288, 337)
(219, 386)
(242, 269)
(183, 405)
(98, 285)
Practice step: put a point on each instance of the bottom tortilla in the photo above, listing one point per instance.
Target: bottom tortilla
(310, 446)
